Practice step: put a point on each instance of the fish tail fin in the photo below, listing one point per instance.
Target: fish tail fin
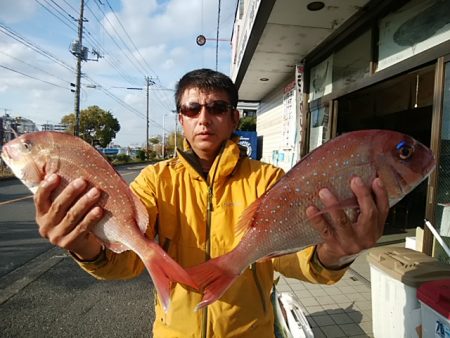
(213, 279)
(164, 271)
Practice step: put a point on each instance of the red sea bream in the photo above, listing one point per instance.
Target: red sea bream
(276, 223)
(33, 156)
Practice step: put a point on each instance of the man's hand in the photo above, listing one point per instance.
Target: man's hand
(344, 239)
(67, 221)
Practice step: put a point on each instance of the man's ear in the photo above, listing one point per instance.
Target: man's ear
(236, 118)
(180, 119)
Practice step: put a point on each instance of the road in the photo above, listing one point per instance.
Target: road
(43, 293)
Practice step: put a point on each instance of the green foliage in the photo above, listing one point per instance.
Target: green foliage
(170, 144)
(247, 123)
(123, 158)
(97, 126)
(154, 140)
(141, 154)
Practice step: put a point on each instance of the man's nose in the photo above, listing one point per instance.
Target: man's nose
(204, 115)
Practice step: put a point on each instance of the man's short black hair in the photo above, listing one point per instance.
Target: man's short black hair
(206, 80)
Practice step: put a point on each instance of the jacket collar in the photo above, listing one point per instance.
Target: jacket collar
(224, 164)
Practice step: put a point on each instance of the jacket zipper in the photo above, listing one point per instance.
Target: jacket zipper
(209, 210)
(207, 253)
(259, 287)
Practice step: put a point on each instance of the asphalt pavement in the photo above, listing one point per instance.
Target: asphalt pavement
(43, 293)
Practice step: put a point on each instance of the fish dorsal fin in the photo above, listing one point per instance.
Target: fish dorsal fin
(246, 219)
(141, 213)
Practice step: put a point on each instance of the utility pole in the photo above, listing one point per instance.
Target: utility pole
(164, 136)
(175, 141)
(217, 36)
(149, 83)
(79, 55)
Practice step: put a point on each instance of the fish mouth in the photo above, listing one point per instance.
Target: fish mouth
(5, 154)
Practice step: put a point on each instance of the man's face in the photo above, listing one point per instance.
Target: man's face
(208, 129)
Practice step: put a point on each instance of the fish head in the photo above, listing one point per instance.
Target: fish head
(31, 157)
(401, 162)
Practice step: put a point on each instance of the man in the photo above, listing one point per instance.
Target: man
(193, 202)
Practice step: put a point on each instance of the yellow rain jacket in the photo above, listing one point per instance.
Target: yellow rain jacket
(194, 218)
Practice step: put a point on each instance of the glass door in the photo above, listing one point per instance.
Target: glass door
(442, 211)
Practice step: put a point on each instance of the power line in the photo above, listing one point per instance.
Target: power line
(60, 13)
(32, 77)
(56, 13)
(135, 62)
(136, 65)
(131, 40)
(8, 31)
(35, 67)
(68, 4)
(114, 66)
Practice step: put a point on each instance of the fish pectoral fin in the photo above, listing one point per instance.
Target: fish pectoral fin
(52, 165)
(246, 219)
(349, 203)
(141, 213)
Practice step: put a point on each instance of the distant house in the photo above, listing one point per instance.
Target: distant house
(14, 125)
(54, 127)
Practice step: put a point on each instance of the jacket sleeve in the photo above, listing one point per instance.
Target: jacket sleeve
(302, 265)
(127, 265)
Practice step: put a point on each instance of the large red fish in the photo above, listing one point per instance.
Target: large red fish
(276, 223)
(33, 156)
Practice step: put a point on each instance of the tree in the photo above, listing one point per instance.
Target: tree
(247, 123)
(170, 144)
(155, 140)
(97, 126)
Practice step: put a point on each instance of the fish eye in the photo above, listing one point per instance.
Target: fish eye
(405, 150)
(27, 145)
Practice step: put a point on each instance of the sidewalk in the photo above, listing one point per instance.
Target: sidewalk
(345, 308)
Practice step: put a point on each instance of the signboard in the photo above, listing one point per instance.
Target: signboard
(289, 117)
(321, 82)
(299, 86)
(416, 27)
(249, 139)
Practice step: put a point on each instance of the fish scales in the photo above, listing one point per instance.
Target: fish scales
(276, 223)
(33, 156)
(298, 194)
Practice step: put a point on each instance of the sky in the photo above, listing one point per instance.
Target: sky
(135, 39)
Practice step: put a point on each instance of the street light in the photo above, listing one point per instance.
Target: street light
(176, 131)
(149, 82)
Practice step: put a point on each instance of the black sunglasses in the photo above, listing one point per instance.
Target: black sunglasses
(192, 109)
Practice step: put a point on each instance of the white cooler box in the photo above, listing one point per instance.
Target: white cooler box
(395, 275)
(434, 299)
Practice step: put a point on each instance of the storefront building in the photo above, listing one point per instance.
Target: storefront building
(322, 68)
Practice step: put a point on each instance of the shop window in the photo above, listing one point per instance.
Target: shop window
(321, 79)
(351, 63)
(414, 28)
(319, 126)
